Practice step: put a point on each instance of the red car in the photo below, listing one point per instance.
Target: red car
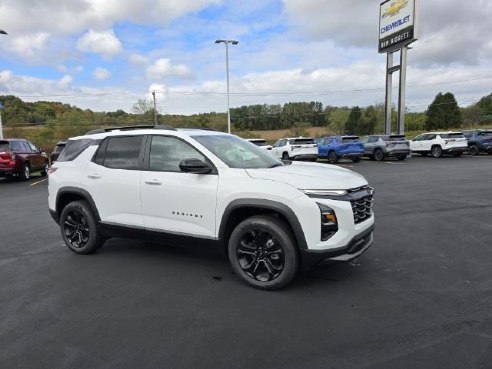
(19, 157)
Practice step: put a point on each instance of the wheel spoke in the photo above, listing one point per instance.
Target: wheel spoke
(247, 252)
(269, 265)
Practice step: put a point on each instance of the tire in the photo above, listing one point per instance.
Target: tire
(436, 151)
(25, 173)
(473, 150)
(79, 228)
(378, 155)
(357, 159)
(401, 157)
(285, 156)
(262, 252)
(44, 171)
(332, 157)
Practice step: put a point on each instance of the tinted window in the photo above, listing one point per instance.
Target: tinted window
(372, 139)
(350, 139)
(58, 148)
(101, 152)
(17, 146)
(4, 146)
(123, 152)
(167, 152)
(31, 146)
(452, 135)
(301, 141)
(397, 138)
(74, 148)
(260, 142)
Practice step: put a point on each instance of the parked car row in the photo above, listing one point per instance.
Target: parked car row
(380, 147)
(19, 158)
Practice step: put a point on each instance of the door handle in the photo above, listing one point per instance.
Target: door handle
(94, 176)
(154, 182)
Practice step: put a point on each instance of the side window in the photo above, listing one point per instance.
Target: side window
(101, 153)
(74, 148)
(17, 146)
(167, 152)
(431, 137)
(123, 152)
(282, 143)
(276, 144)
(372, 139)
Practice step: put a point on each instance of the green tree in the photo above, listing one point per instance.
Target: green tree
(354, 121)
(443, 113)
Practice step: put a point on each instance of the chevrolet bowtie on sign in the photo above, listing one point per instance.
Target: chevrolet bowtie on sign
(396, 24)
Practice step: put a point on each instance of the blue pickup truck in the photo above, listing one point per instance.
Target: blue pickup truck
(479, 141)
(335, 148)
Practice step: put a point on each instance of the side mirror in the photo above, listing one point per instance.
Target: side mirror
(269, 148)
(195, 166)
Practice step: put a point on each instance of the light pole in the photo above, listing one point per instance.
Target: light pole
(2, 32)
(227, 42)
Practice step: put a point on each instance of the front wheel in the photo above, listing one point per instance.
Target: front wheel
(285, 156)
(262, 252)
(79, 228)
(436, 151)
(401, 157)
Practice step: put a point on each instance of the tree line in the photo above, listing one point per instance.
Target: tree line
(442, 113)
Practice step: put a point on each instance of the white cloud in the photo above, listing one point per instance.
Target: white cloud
(101, 74)
(105, 43)
(163, 68)
(29, 45)
(137, 59)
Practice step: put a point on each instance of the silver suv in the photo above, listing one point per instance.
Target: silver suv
(379, 147)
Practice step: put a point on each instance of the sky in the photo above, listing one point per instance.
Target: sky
(104, 55)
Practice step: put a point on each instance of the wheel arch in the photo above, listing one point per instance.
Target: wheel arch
(68, 194)
(238, 210)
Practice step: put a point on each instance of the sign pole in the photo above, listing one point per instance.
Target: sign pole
(401, 95)
(1, 127)
(389, 86)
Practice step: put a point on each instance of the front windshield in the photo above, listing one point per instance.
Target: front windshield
(238, 153)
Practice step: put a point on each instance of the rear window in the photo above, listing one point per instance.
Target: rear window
(452, 135)
(59, 148)
(350, 139)
(4, 146)
(74, 148)
(259, 142)
(486, 134)
(396, 138)
(301, 141)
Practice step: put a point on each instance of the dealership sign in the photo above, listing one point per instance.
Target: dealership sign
(396, 24)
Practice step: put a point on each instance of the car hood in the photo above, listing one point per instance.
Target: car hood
(313, 176)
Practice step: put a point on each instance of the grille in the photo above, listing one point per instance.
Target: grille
(362, 204)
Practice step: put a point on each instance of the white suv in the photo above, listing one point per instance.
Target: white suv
(270, 217)
(295, 148)
(439, 143)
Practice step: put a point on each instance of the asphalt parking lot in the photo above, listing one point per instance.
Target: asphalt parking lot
(420, 298)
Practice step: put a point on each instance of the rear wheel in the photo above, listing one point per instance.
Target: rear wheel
(44, 172)
(79, 228)
(378, 155)
(332, 157)
(473, 150)
(262, 252)
(25, 173)
(285, 156)
(436, 151)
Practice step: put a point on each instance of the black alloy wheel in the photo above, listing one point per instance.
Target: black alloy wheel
(285, 156)
(79, 228)
(45, 169)
(262, 252)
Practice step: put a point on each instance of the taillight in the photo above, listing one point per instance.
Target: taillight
(52, 170)
(12, 156)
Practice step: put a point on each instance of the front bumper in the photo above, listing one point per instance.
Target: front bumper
(354, 248)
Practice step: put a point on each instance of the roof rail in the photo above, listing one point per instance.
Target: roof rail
(129, 128)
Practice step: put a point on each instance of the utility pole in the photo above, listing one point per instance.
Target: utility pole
(155, 109)
(2, 32)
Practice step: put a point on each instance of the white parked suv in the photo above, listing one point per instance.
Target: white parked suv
(270, 217)
(260, 142)
(439, 143)
(296, 148)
